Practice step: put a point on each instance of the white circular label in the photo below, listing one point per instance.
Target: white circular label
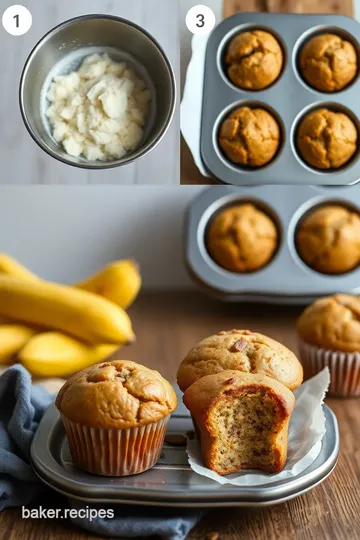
(17, 20)
(200, 20)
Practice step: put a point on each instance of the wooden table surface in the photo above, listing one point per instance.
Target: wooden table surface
(190, 174)
(167, 326)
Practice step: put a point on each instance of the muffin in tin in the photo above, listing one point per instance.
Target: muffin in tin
(326, 139)
(328, 239)
(253, 60)
(328, 62)
(115, 416)
(250, 137)
(329, 335)
(242, 238)
(244, 351)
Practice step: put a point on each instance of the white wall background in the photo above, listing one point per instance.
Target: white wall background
(65, 233)
(22, 161)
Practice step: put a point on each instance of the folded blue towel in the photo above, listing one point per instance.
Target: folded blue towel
(21, 409)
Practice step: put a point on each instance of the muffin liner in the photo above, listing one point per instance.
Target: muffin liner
(344, 368)
(115, 452)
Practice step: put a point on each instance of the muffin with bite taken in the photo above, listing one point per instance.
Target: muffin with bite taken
(115, 416)
(329, 335)
(242, 420)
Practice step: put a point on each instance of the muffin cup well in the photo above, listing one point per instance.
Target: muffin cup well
(344, 368)
(115, 452)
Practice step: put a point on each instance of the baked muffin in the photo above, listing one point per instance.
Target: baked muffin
(242, 421)
(326, 139)
(240, 350)
(328, 239)
(329, 335)
(253, 60)
(115, 416)
(328, 62)
(242, 238)
(249, 137)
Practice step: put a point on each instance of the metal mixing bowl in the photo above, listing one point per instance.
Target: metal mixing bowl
(62, 50)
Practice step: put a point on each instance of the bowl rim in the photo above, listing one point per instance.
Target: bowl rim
(132, 157)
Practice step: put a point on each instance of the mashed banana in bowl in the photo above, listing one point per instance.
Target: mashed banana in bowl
(100, 110)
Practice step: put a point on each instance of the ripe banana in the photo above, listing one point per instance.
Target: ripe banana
(119, 282)
(79, 313)
(52, 354)
(13, 337)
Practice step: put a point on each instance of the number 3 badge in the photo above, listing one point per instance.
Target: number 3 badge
(200, 20)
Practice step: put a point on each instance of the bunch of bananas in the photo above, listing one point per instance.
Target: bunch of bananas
(56, 330)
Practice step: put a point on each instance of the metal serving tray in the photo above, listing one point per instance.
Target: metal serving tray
(289, 98)
(171, 482)
(286, 279)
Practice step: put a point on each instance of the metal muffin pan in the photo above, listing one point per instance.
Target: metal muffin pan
(287, 279)
(171, 483)
(289, 99)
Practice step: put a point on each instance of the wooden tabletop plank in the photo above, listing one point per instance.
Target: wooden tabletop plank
(167, 326)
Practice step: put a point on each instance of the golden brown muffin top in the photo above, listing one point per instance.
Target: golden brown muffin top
(327, 139)
(242, 238)
(249, 136)
(201, 395)
(244, 351)
(254, 59)
(116, 395)
(332, 323)
(328, 239)
(328, 62)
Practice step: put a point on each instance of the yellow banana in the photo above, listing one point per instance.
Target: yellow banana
(79, 313)
(11, 267)
(52, 354)
(119, 282)
(13, 337)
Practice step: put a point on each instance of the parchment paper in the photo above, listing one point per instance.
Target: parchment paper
(307, 428)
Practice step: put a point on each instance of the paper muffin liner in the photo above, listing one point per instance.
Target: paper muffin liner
(344, 368)
(115, 452)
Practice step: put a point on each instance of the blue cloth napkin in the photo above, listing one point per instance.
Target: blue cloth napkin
(22, 406)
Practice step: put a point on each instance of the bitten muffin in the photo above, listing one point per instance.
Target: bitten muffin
(328, 239)
(328, 62)
(250, 137)
(253, 60)
(326, 139)
(329, 335)
(115, 416)
(240, 350)
(242, 238)
(242, 421)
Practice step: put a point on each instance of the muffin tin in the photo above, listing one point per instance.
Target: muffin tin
(289, 99)
(286, 279)
(171, 483)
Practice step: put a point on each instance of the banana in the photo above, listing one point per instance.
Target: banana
(11, 267)
(52, 354)
(119, 282)
(13, 337)
(79, 313)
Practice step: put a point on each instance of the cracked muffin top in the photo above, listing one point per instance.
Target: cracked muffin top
(250, 137)
(116, 395)
(253, 60)
(244, 351)
(332, 323)
(328, 239)
(328, 63)
(242, 238)
(327, 139)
